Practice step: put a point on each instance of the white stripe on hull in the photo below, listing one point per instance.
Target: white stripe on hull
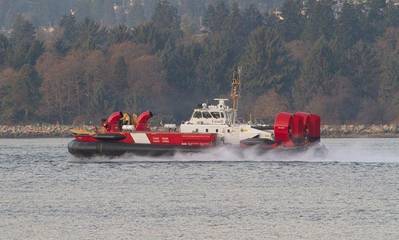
(141, 138)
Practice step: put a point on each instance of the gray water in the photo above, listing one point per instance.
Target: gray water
(353, 193)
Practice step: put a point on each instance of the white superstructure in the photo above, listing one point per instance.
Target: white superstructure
(219, 119)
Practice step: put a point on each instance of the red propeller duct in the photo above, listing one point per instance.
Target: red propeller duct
(142, 121)
(282, 127)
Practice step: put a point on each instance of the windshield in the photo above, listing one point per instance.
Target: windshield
(207, 115)
(197, 114)
(215, 115)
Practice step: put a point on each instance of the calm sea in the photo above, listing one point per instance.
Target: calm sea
(353, 193)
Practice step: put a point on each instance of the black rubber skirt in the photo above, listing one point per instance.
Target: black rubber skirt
(88, 149)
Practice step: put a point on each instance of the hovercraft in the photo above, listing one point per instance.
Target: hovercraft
(210, 126)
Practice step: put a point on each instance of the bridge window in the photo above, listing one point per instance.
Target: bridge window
(217, 130)
(215, 115)
(222, 114)
(206, 115)
(206, 130)
(197, 114)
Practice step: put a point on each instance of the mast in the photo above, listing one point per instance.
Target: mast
(235, 92)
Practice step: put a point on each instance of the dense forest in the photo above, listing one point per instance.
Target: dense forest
(110, 12)
(338, 59)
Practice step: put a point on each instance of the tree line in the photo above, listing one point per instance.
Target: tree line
(337, 59)
(109, 12)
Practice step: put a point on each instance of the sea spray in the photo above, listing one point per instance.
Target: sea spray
(338, 150)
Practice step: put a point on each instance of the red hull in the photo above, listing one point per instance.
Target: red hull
(157, 138)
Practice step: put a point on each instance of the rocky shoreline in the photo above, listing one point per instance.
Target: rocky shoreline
(360, 131)
(35, 131)
(330, 131)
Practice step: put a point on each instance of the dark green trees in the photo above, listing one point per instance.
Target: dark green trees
(320, 20)
(25, 48)
(266, 63)
(293, 19)
(69, 37)
(4, 48)
(318, 70)
(117, 89)
(339, 60)
(216, 16)
(349, 26)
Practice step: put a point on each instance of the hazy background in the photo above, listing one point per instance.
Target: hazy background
(77, 61)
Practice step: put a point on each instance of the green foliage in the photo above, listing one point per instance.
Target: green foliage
(91, 36)
(216, 16)
(25, 49)
(70, 30)
(266, 63)
(180, 64)
(391, 15)
(118, 86)
(349, 26)
(120, 34)
(252, 18)
(165, 16)
(293, 24)
(320, 20)
(337, 60)
(362, 67)
(4, 48)
(214, 65)
(317, 74)
(162, 30)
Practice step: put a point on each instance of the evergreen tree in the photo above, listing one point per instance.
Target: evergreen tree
(266, 63)
(391, 15)
(210, 18)
(180, 64)
(320, 20)
(163, 29)
(216, 16)
(119, 83)
(215, 65)
(25, 47)
(234, 22)
(4, 48)
(252, 19)
(23, 33)
(91, 36)
(389, 86)
(349, 28)
(374, 19)
(293, 21)
(70, 34)
(317, 73)
(119, 34)
(234, 34)
(363, 68)
(165, 17)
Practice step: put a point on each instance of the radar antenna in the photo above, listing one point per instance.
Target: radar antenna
(235, 91)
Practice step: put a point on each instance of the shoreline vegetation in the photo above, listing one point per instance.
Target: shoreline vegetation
(327, 131)
(335, 58)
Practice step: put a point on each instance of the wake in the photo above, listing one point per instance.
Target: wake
(371, 150)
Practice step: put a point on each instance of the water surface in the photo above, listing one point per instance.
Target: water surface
(353, 193)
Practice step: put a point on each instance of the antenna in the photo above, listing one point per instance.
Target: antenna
(235, 91)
